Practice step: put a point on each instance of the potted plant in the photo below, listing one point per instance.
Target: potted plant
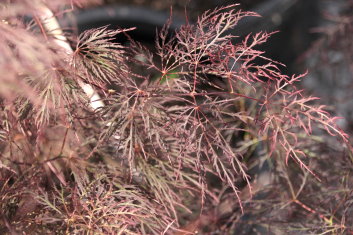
(104, 138)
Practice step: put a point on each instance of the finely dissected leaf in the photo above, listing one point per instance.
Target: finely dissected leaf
(102, 208)
(296, 111)
(98, 57)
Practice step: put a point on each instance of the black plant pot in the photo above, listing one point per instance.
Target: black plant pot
(145, 20)
(274, 13)
(293, 18)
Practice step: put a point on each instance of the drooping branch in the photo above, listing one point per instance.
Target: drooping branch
(50, 25)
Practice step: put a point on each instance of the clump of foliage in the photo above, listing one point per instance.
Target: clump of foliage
(174, 141)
